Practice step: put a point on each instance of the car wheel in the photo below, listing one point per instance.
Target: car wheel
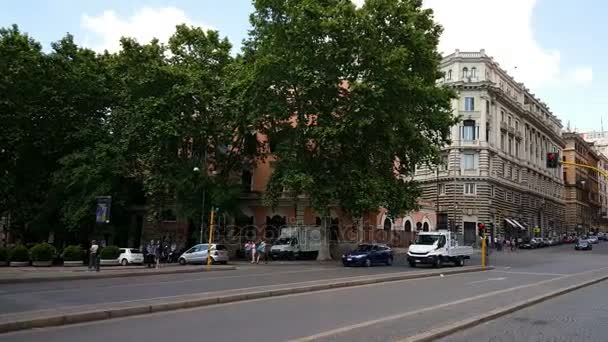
(459, 261)
(389, 261)
(124, 262)
(368, 263)
(182, 261)
(438, 262)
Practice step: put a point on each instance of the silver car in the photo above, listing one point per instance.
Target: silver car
(198, 254)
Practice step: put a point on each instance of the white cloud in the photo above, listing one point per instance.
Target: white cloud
(146, 24)
(581, 75)
(504, 29)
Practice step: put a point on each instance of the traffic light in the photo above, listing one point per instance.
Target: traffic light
(552, 160)
(481, 230)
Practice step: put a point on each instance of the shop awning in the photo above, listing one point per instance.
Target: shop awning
(519, 224)
(509, 221)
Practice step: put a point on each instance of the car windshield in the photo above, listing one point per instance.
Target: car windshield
(135, 251)
(283, 241)
(426, 239)
(363, 248)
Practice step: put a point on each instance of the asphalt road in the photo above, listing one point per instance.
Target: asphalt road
(379, 312)
(579, 316)
(51, 295)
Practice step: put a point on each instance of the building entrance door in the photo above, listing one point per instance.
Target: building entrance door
(469, 233)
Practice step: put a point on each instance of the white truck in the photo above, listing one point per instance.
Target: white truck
(436, 248)
(297, 242)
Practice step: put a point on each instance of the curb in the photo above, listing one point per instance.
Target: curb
(452, 328)
(102, 275)
(201, 301)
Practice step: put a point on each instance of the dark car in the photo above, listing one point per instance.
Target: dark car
(583, 245)
(529, 244)
(368, 255)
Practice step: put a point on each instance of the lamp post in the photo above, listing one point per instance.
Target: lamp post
(197, 169)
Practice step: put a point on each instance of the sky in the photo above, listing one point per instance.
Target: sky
(555, 47)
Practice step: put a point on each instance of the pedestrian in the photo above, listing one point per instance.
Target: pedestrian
(253, 252)
(150, 254)
(267, 254)
(261, 252)
(248, 247)
(157, 254)
(93, 255)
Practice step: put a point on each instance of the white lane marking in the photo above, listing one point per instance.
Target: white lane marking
(365, 324)
(485, 280)
(531, 273)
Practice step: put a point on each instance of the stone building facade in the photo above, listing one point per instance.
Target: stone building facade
(494, 172)
(582, 185)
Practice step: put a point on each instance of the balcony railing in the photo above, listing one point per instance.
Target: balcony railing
(503, 126)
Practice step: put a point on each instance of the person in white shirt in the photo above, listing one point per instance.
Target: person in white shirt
(93, 256)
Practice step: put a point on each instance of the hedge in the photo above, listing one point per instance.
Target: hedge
(43, 252)
(19, 253)
(110, 252)
(3, 254)
(73, 253)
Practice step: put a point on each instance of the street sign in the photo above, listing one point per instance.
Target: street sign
(104, 206)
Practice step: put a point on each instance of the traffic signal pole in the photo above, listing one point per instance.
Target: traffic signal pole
(586, 167)
(483, 252)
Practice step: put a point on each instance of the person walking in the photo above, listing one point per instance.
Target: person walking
(253, 252)
(157, 254)
(93, 255)
(248, 247)
(150, 254)
(261, 251)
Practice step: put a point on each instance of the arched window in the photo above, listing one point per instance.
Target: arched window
(465, 72)
(473, 72)
(425, 227)
(408, 226)
(450, 75)
(418, 226)
(387, 225)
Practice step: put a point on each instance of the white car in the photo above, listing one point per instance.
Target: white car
(593, 239)
(130, 256)
(198, 254)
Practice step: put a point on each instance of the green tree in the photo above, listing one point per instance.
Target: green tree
(350, 98)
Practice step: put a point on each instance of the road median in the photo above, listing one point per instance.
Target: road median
(80, 314)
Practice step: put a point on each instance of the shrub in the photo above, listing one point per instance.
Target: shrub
(42, 252)
(3, 254)
(110, 252)
(19, 253)
(73, 253)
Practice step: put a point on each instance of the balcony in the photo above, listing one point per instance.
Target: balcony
(518, 135)
(511, 130)
(503, 126)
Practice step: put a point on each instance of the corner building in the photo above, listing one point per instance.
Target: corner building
(494, 171)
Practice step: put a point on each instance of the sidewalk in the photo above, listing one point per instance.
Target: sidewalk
(12, 275)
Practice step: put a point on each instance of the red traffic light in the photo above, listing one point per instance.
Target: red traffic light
(551, 156)
(480, 225)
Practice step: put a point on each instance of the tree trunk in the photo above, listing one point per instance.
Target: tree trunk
(324, 254)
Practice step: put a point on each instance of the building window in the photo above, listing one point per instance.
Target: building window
(517, 149)
(492, 191)
(465, 72)
(441, 188)
(517, 126)
(469, 161)
(408, 224)
(450, 75)
(516, 175)
(502, 142)
(468, 130)
(511, 146)
(509, 121)
(469, 104)
(488, 107)
(444, 162)
(387, 225)
(502, 116)
(473, 72)
(469, 188)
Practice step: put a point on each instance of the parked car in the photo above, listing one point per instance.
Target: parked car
(528, 244)
(198, 254)
(130, 256)
(368, 255)
(593, 239)
(569, 239)
(582, 244)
